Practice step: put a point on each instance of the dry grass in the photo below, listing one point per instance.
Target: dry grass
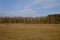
(29, 32)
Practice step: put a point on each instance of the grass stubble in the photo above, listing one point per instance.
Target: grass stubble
(29, 31)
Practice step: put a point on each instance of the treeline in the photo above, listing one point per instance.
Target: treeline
(50, 19)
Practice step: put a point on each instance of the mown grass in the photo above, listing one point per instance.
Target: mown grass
(29, 31)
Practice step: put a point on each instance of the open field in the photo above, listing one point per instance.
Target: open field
(29, 31)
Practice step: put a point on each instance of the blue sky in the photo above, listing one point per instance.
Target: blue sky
(29, 7)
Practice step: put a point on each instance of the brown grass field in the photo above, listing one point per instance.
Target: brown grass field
(29, 31)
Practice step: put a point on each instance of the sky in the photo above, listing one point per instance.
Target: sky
(28, 8)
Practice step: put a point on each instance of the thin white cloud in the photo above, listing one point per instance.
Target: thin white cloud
(28, 11)
(25, 12)
(44, 3)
